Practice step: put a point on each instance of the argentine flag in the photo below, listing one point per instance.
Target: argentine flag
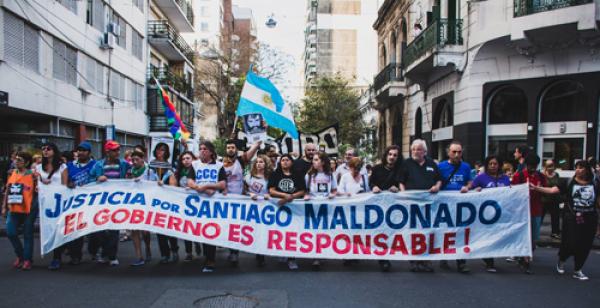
(259, 95)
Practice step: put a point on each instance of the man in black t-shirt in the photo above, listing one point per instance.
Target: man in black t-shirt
(386, 176)
(303, 164)
(420, 172)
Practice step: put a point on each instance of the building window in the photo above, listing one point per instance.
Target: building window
(508, 105)
(339, 7)
(137, 44)
(122, 37)
(117, 85)
(64, 62)
(17, 35)
(564, 101)
(204, 11)
(94, 14)
(69, 4)
(94, 74)
(444, 114)
(418, 123)
(204, 26)
(139, 4)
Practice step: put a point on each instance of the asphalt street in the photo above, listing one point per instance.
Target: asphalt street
(362, 285)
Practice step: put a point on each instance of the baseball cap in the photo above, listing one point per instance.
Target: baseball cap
(84, 145)
(111, 145)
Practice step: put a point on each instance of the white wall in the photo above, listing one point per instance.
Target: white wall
(41, 93)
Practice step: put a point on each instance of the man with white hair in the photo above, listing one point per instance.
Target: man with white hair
(344, 168)
(420, 172)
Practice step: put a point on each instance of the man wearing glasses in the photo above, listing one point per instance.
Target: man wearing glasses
(456, 175)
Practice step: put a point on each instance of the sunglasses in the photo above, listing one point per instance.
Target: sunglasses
(46, 149)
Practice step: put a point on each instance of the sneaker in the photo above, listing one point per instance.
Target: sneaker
(139, 262)
(292, 265)
(54, 265)
(577, 275)
(526, 267)
(18, 263)
(511, 259)
(174, 258)
(208, 268)
(385, 266)
(463, 269)
(188, 258)
(560, 267)
(114, 262)
(490, 269)
(316, 265)
(444, 265)
(164, 260)
(26, 265)
(101, 260)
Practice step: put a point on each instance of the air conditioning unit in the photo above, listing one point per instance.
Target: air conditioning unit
(114, 28)
(107, 41)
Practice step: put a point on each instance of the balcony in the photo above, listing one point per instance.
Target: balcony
(156, 110)
(179, 13)
(391, 73)
(528, 7)
(177, 83)
(437, 46)
(163, 37)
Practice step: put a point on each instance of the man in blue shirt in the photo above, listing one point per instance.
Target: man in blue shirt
(456, 175)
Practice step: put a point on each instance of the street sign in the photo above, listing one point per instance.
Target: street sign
(110, 132)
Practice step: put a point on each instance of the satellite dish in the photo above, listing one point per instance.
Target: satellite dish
(271, 22)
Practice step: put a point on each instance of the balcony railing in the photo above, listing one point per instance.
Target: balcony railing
(156, 112)
(167, 77)
(392, 72)
(528, 7)
(162, 29)
(186, 7)
(441, 32)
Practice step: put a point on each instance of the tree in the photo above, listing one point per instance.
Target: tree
(328, 101)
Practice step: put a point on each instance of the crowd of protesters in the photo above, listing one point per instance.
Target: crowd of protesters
(265, 174)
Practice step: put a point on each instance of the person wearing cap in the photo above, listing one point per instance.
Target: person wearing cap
(77, 173)
(111, 167)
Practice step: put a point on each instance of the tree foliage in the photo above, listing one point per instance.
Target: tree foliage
(328, 101)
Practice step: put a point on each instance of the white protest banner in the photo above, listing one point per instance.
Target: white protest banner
(413, 225)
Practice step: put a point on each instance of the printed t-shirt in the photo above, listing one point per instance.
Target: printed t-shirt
(20, 191)
(320, 184)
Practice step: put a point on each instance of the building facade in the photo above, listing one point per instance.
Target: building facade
(492, 74)
(339, 40)
(171, 63)
(67, 70)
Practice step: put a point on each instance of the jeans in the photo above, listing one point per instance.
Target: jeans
(167, 244)
(13, 221)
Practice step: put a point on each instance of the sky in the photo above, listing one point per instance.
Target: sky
(287, 36)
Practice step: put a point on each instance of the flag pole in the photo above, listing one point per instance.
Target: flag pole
(233, 129)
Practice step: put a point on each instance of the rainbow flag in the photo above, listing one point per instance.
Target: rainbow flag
(176, 126)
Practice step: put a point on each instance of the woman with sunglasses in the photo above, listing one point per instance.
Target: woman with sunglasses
(49, 173)
(20, 210)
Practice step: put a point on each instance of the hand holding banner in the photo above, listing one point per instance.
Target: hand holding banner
(412, 225)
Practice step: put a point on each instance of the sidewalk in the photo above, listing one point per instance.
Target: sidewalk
(544, 241)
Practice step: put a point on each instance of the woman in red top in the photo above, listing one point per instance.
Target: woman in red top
(536, 181)
(21, 209)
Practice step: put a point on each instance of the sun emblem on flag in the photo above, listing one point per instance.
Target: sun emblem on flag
(267, 101)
